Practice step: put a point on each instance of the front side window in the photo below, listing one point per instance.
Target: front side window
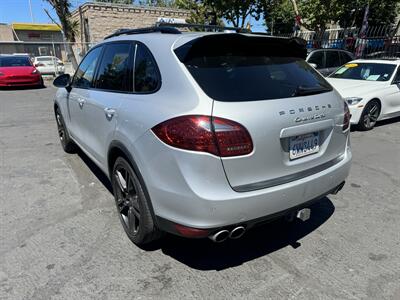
(317, 58)
(146, 77)
(345, 58)
(332, 59)
(114, 68)
(84, 75)
(365, 71)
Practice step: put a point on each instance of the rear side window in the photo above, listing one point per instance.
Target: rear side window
(84, 75)
(113, 73)
(241, 73)
(332, 59)
(345, 58)
(317, 58)
(146, 77)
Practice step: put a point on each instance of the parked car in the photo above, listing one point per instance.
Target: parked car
(327, 61)
(371, 89)
(17, 70)
(205, 134)
(49, 65)
(384, 55)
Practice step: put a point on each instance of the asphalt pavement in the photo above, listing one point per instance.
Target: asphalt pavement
(60, 237)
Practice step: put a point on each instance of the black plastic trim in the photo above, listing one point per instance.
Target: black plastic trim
(288, 178)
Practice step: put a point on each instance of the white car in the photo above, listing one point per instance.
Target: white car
(49, 65)
(371, 88)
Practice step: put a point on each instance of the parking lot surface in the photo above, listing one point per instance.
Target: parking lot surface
(60, 237)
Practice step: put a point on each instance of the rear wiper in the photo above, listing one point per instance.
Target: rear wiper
(305, 91)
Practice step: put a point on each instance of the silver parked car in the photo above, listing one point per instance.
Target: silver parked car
(205, 134)
(327, 61)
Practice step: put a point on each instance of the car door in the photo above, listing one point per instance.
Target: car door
(317, 58)
(332, 62)
(81, 83)
(112, 85)
(392, 103)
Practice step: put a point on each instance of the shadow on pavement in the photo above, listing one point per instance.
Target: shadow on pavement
(203, 254)
(19, 88)
(260, 241)
(96, 171)
(387, 122)
(380, 123)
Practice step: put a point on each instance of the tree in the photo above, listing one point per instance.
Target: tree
(279, 16)
(236, 11)
(62, 9)
(317, 14)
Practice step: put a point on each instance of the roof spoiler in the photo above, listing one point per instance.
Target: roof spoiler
(240, 44)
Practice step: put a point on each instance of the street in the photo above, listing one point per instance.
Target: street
(61, 237)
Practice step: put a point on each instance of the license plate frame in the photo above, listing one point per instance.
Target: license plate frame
(304, 145)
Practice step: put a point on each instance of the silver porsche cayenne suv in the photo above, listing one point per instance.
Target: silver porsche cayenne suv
(205, 134)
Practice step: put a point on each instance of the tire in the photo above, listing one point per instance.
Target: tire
(369, 115)
(66, 142)
(132, 205)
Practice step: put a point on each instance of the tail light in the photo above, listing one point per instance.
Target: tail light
(35, 72)
(346, 118)
(214, 135)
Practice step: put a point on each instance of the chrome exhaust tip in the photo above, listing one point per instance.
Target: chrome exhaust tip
(220, 236)
(237, 232)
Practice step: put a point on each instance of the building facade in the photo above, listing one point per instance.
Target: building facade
(33, 39)
(97, 20)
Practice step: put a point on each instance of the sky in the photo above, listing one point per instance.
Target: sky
(19, 11)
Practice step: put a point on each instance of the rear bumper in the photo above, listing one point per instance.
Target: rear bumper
(192, 190)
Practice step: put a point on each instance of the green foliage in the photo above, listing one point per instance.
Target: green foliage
(318, 13)
(279, 16)
(236, 11)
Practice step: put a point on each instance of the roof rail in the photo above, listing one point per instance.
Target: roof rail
(170, 30)
(215, 28)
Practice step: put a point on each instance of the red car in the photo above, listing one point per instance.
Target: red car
(18, 71)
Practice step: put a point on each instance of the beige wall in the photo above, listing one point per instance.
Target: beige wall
(104, 19)
(6, 33)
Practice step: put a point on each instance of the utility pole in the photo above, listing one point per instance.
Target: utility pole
(30, 9)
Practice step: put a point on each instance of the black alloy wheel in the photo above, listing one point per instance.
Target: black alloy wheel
(132, 205)
(369, 116)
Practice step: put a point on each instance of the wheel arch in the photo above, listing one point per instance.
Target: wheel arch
(118, 149)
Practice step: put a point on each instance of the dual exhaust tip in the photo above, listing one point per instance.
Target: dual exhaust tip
(223, 235)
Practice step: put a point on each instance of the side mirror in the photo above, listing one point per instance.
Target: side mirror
(63, 81)
(314, 65)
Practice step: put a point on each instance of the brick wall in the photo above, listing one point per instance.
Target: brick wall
(104, 19)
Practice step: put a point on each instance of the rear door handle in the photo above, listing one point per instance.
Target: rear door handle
(109, 112)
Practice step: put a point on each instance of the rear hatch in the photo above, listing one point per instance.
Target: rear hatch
(292, 114)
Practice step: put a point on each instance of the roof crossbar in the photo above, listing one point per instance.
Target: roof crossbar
(169, 30)
(215, 28)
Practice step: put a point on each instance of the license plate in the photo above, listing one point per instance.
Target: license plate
(303, 145)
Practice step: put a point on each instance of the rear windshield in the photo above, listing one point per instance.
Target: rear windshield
(238, 72)
(365, 71)
(15, 62)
